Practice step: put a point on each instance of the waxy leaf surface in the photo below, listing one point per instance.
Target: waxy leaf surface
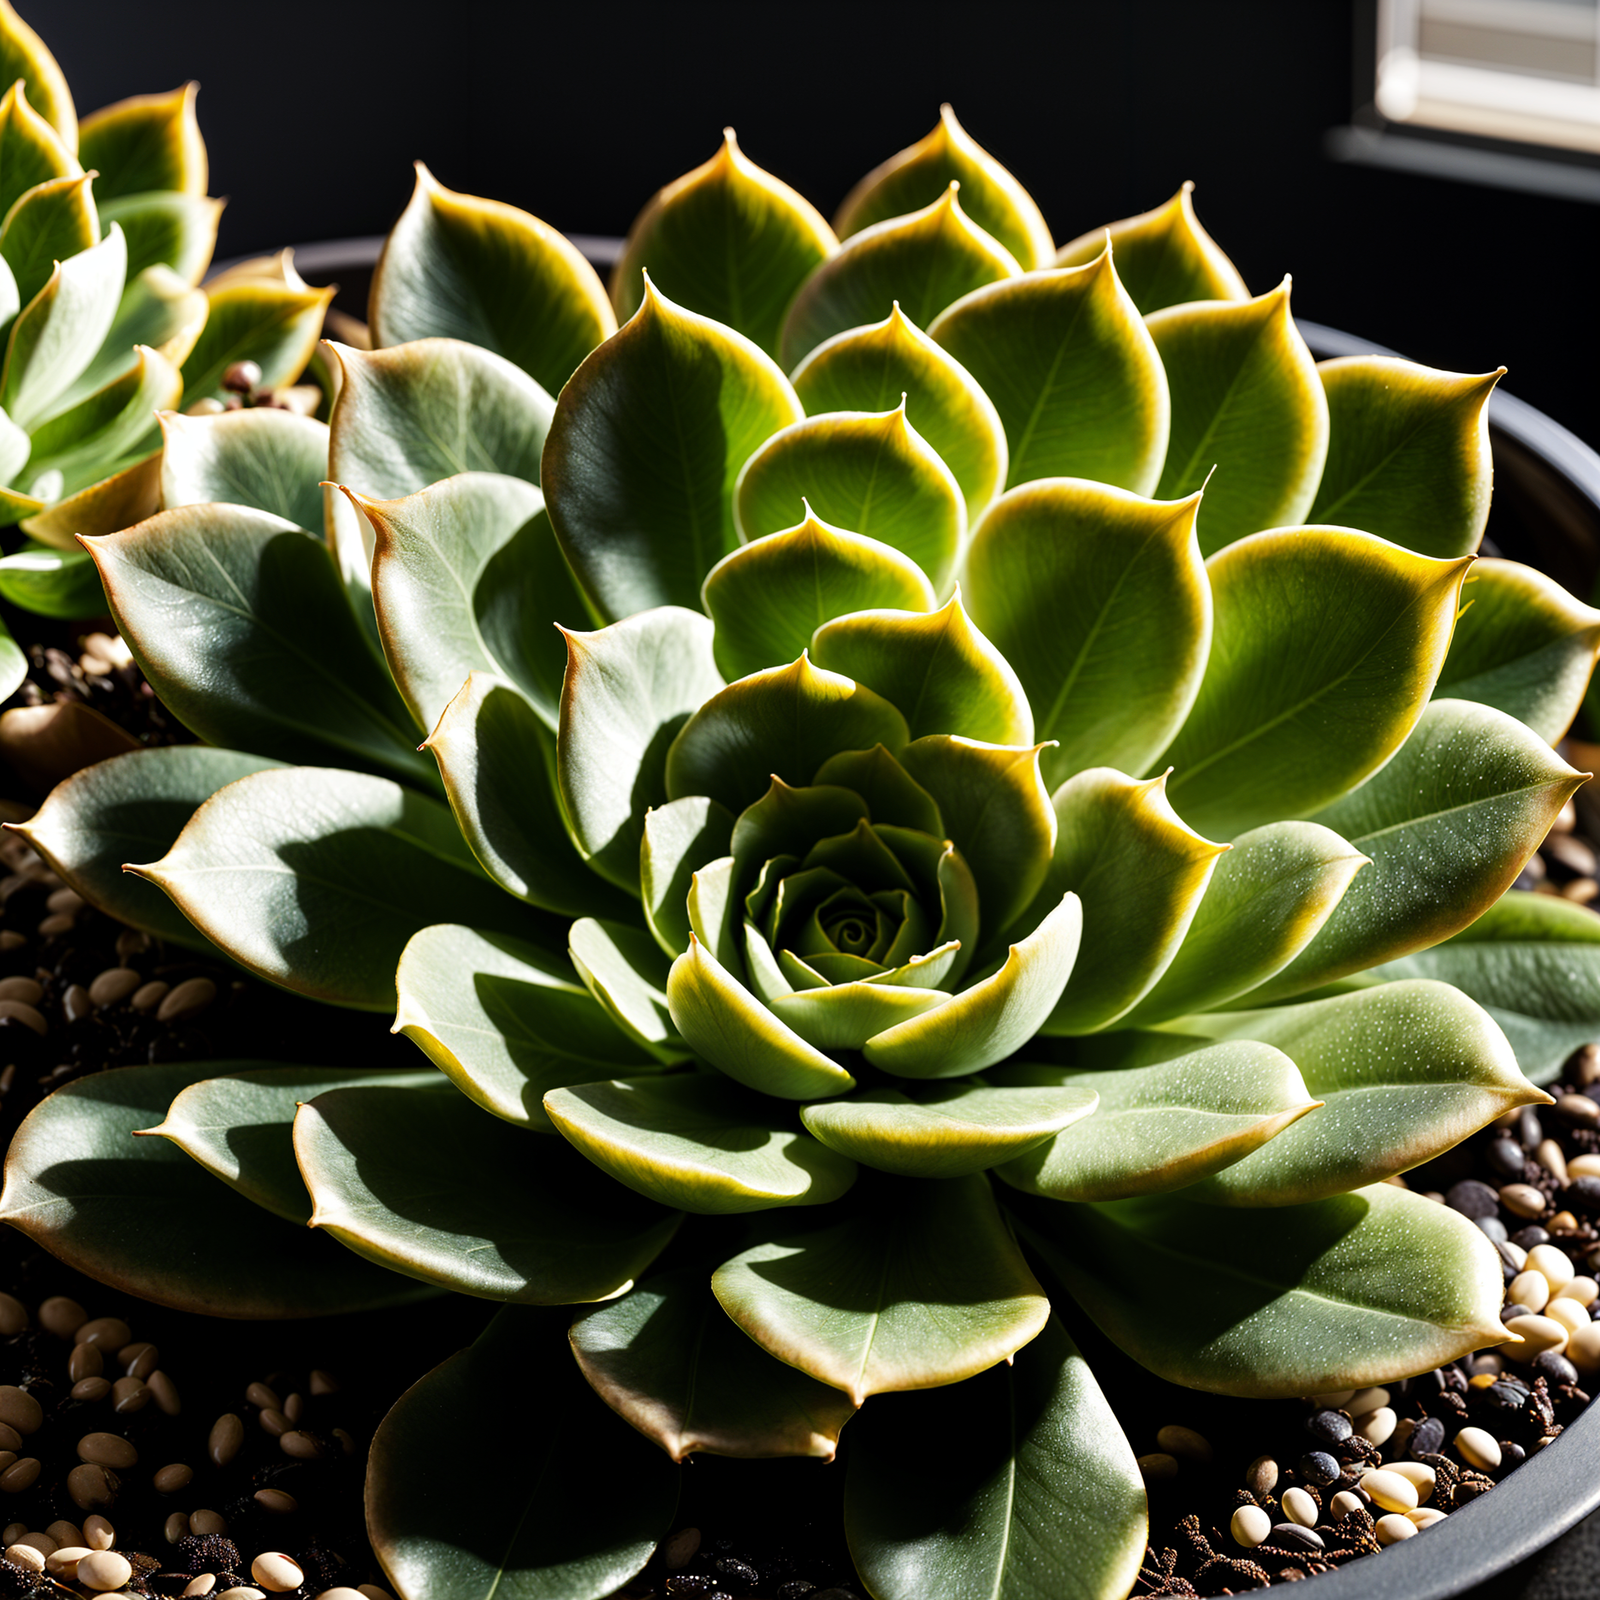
(31, 151)
(165, 229)
(274, 324)
(144, 143)
(270, 459)
(50, 223)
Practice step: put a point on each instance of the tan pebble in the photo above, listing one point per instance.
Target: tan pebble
(1515, 1252)
(341, 1593)
(275, 1572)
(1584, 1290)
(42, 1542)
(1343, 1504)
(176, 1527)
(346, 1440)
(19, 1410)
(91, 1389)
(129, 1395)
(24, 1014)
(1298, 1506)
(170, 1479)
(1156, 1466)
(1481, 1380)
(1569, 1314)
(13, 1315)
(23, 989)
(1530, 1289)
(323, 1382)
(65, 899)
(1563, 1222)
(1391, 1490)
(75, 1003)
(131, 942)
(10, 1439)
(204, 1584)
(64, 1562)
(1418, 1474)
(1261, 1477)
(61, 1316)
(302, 1446)
(64, 1532)
(274, 1422)
(204, 1522)
(1334, 1400)
(1537, 1334)
(294, 1408)
(1364, 1401)
(680, 1548)
(1249, 1526)
(113, 986)
(85, 1362)
(278, 1501)
(1549, 1156)
(1522, 1200)
(1583, 1350)
(110, 1333)
(139, 1359)
(19, 1475)
(258, 1394)
(107, 1450)
(190, 998)
(165, 1393)
(371, 1591)
(149, 995)
(104, 1569)
(1377, 1426)
(1426, 1516)
(1394, 1527)
(1185, 1444)
(92, 1487)
(1584, 1166)
(241, 1591)
(1478, 1448)
(53, 927)
(13, 1532)
(98, 1534)
(24, 1555)
(1579, 1110)
(6, 1458)
(10, 939)
(227, 1434)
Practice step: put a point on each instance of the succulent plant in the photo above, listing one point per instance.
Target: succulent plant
(1018, 814)
(106, 231)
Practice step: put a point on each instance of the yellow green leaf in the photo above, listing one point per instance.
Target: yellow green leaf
(145, 143)
(23, 55)
(31, 151)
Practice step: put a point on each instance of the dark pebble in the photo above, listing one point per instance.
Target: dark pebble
(1554, 1368)
(690, 1583)
(798, 1589)
(735, 1570)
(1530, 1236)
(1583, 1194)
(1319, 1468)
(1427, 1438)
(1508, 1263)
(1530, 1130)
(1512, 1310)
(1331, 1427)
(1507, 1394)
(1291, 1536)
(1493, 1227)
(1511, 1454)
(1472, 1198)
(1505, 1157)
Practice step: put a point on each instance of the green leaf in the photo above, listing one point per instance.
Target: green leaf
(769, 597)
(132, 809)
(462, 268)
(939, 670)
(1158, 1127)
(1140, 873)
(872, 368)
(629, 689)
(316, 878)
(1531, 962)
(23, 55)
(884, 787)
(582, 1513)
(497, 759)
(626, 972)
(948, 1129)
(264, 457)
(420, 1181)
(109, 427)
(996, 811)
(178, 231)
(874, 475)
(49, 223)
(921, 1285)
(157, 308)
(698, 1143)
(728, 241)
(505, 1020)
(13, 663)
(1246, 402)
(31, 151)
(1337, 1294)
(1523, 645)
(1072, 372)
(783, 722)
(237, 619)
(127, 497)
(276, 325)
(922, 173)
(57, 333)
(678, 837)
(1404, 1070)
(921, 262)
(1408, 453)
(668, 1360)
(80, 1184)
(1043, 1496)
(1099, 600)
(723, 1022)
(51, 583)
(1267, 899)
(149, 141)
(1164, 257)
(1325, 647)
(844, 1015)
(1448, 825)
(996, 1016)
(238, 1127)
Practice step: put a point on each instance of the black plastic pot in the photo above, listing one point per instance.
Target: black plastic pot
(1546, 512)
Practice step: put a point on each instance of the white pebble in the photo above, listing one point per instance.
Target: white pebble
(1299, 1507)
(1391, 1490)
(275, 1571)
(1555, 1265)
(104, 1569)
(242, 1592)
(1478, 1449)
(1537, 1334)
(1250, 1526)
(98, 1534)
(25, 1555)
(1569, 1314)
(1393, 1528)
(1583, 1350)
(1418, 1473)
(1335, 1401)
(1364, 1401)
(1584, 1166)
(1377, 1426)
(1583, 1290)
(64, 1562)
(1426, 1516)
(1343, 1504)
(1530, 1288)
(341, 1593)
(203, 1585)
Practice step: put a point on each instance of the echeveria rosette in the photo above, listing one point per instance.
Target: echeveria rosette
(1035, 777)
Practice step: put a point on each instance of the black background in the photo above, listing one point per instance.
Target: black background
(579, 111)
